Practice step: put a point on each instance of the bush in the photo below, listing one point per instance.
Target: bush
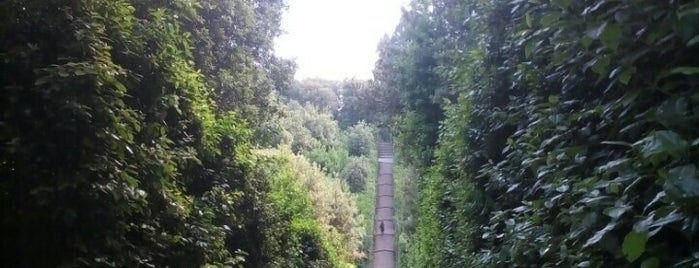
(304, 127)
(356, 173)
(332, 159)
(360, 139)
(303, 192)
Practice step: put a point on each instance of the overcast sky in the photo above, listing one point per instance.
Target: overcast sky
(336, 39)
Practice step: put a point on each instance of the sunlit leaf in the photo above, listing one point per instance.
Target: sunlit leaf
(596, 32)
(670, 218)
(616, 212)
(600, 234)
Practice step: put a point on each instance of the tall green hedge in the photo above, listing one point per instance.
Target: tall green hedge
(573, 139)
(125, 132)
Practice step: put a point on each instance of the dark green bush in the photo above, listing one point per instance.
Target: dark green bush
(355, 174)
(360, 139)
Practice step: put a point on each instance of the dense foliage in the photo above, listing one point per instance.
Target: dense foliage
(317, 219)
(319, 93)
(405, 207)
(355, 174)
(326, 144)
(359, 102)
(304, 127)
(126, 130)
(549, 133)
(360, 139)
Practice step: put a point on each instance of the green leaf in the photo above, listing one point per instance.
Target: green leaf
(586, 41)
(693, 41)
(682, 172)
(650, 263)
(600, 234)
(528, 49)
(528, 20)
(560, 57)
(625, 75)
(685, 70)
(563, 4)
(553, 99)
(663, 142)
(616, 212)
(688, 10)
(119, 86)
(674, 216)
(634, 245)
(682, 184)
(620, 143)
(42, 80)
(621, 16)
(674, 112)
(611, 36)
(601, 65)
(548, 19)
(658, 197)
(643, 225)
(596, 32)
(130, 180)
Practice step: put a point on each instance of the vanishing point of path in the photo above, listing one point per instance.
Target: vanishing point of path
(384, 254)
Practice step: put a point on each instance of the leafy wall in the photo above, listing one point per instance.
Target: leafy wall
(567, 131)
(126, 130)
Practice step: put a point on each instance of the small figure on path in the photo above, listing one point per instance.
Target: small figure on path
(381, 227)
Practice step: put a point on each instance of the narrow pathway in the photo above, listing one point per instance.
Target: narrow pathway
(384, 254)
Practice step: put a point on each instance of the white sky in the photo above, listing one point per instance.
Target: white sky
(336, 39)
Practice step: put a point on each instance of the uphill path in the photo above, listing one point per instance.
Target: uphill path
(384, 253)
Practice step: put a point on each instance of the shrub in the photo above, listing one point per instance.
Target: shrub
(355, 174)
(360, 139)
